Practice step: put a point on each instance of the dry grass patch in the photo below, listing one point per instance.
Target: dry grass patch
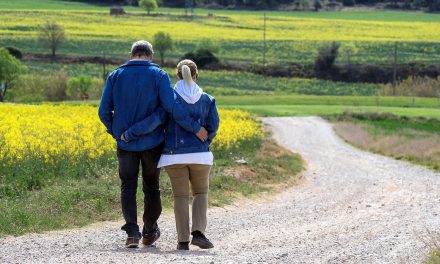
(419, 147)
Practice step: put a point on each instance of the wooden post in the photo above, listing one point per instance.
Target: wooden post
(395, 70)
(104, 70)
(264, 41)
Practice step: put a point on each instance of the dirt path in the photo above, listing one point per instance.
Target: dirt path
(352, 207)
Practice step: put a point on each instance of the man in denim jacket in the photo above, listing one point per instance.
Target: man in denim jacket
(137, 97)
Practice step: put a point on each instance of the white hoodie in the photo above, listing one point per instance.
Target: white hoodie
(190, 92)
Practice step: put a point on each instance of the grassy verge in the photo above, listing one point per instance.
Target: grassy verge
(434, 258)
(413, 139)
(78, 202)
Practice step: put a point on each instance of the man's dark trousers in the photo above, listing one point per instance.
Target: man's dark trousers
(129, 172)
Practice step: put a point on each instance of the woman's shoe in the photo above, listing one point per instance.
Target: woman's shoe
(200, 240)
(183, 246)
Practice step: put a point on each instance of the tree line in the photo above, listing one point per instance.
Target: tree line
(431, 5)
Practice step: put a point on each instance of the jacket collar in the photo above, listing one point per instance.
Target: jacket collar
(138, 63)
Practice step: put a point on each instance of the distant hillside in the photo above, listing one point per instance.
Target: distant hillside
(429, 5)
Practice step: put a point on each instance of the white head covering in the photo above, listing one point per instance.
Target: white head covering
(189, 91)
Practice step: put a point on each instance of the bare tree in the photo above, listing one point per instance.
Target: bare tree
(52, 35)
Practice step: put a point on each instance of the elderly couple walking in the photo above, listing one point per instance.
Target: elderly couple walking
(157, 126)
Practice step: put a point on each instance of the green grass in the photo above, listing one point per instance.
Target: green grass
(69, 204)
(434, 257)
(47, 4)
(298, 100)
(398, 127)
(302, 105)
(322, 110)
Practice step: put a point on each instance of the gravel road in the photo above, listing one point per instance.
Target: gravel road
(351, 207)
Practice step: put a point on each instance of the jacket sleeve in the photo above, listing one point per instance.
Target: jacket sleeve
(147, 125)
(177, 110)
(106, 106)
(213, 121)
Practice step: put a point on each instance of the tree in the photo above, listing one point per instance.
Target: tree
(10, 68)
(162, 43)
(79, 87)
(324, 63)
(150, 5)
(52, 35)
(317, 5)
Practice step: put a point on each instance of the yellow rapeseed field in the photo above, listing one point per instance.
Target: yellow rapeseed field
(54, 132)
(98, 26)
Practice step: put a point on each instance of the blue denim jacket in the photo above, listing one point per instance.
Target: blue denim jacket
(180, 141)
(134, 101)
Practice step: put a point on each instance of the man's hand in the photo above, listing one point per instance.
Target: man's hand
(202, 134)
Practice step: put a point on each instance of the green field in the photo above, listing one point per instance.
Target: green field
(229, 82)
(355, 15)
(291, 36)
(322, 110)
(297, 105)
(307, 105)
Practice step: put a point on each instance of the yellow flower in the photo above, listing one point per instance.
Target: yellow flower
(57, 132)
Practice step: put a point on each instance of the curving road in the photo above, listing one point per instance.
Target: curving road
(351, 207)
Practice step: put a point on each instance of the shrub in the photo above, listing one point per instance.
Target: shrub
(317, 5)
(79, 87)
(36, 88)
(56, 91)
(414, 86)
(324, 63)
(202, 57)
(301, 4)
(10, 68)
(348, 2)
(117, 10)
(15, 52)
(97, 88)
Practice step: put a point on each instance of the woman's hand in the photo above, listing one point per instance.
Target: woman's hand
(202, 134)
(123, 138)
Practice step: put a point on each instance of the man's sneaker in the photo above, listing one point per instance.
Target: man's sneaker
(149, 238)
(183, 246)
(200, 240)
(132, 242)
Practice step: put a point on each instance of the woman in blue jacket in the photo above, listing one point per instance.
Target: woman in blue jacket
(188, 160)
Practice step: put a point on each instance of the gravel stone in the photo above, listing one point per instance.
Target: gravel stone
(315, 221)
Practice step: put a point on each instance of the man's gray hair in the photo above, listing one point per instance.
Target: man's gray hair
(142, 48)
